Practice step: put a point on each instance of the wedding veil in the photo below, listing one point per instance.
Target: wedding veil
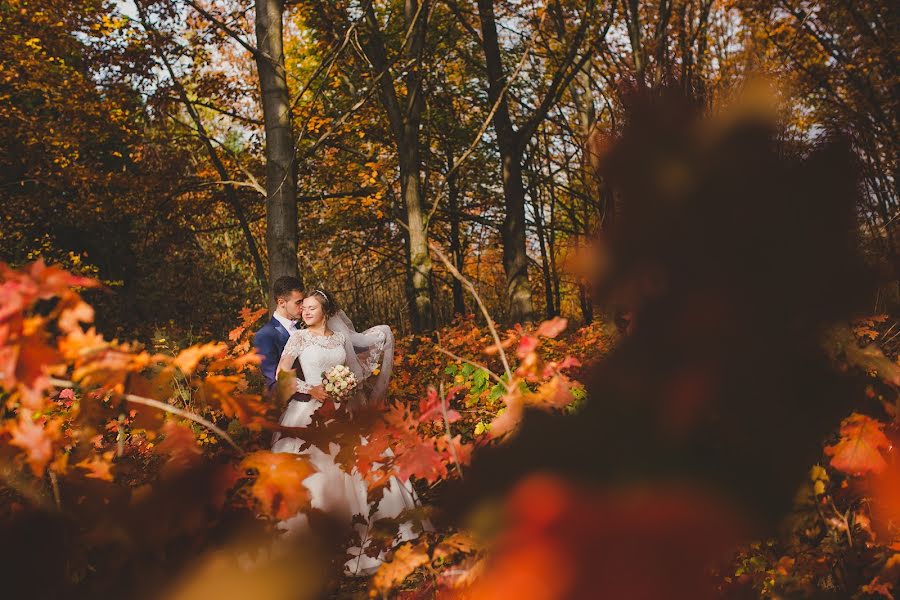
(370, 353)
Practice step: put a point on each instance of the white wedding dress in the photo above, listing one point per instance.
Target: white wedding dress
(340, 494)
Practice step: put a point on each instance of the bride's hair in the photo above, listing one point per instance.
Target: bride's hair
(329, 304)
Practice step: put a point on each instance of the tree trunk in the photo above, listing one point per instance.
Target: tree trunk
(512, 231)
(405, 119)
(281, 183)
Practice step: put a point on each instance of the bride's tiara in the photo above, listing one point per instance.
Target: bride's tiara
(324, 295)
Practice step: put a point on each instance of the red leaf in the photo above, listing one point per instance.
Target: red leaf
(420, 459)
(528, 345)
(552, 328)
(430, 409)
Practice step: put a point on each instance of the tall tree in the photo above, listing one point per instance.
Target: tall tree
(404, 114)
(512, 142)
(281, 182)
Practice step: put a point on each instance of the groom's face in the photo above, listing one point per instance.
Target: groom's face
(292, 305)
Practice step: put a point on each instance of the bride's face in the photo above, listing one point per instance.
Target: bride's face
(313, 313)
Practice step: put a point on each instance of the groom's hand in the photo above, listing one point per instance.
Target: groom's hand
(318, 392)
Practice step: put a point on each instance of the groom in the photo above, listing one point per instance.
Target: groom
(270, 340)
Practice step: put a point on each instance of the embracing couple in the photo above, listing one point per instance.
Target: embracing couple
(310, 335)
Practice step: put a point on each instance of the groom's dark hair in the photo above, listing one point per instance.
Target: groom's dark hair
(285, 285)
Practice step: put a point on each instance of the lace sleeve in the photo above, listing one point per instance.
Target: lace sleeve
(292, 350)
(295, 345)
(373, 360)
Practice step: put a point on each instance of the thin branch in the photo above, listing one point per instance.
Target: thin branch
(62, 383)
(468, 285)
(493, 375)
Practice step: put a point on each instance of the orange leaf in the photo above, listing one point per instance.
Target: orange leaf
(98, 467)
(71, 317)
(279, 486)
(35, 439)
(224, 391)
(188, 359)
(555, 393)
(181, 446)
(857, 452)
(407, 558)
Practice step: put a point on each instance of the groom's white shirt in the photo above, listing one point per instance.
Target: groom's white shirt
(288, 324)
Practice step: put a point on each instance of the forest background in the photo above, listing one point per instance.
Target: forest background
(136, 132)
(186, 154)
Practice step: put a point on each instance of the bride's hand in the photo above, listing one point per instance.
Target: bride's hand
(318, 392)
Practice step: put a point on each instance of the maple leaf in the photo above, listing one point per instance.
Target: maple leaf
(407, 558)
(35, 359)
(458, 543)
(188, 359)
(98, 467)
(857, 452)
(53, 280)
(242, 360)
(555, 393)
(527, 346)
(222, 390)
(78, 345)
(552, 328)
(248, 318)
(430, 408)
(507, 420)
(420, 459)
(505, 344)
(70, 318)
(373, 451)
(279, 484)
(399, 419)
(463, 451)
(35, 439)
(180, 445)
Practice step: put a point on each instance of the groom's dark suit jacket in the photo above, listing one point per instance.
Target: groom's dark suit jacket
(269, 343)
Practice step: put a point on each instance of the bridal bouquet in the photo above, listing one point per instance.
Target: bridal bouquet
(339, 382)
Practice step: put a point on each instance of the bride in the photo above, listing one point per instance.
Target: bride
(328, 340)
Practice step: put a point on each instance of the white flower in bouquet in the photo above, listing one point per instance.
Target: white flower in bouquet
(339, 382)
